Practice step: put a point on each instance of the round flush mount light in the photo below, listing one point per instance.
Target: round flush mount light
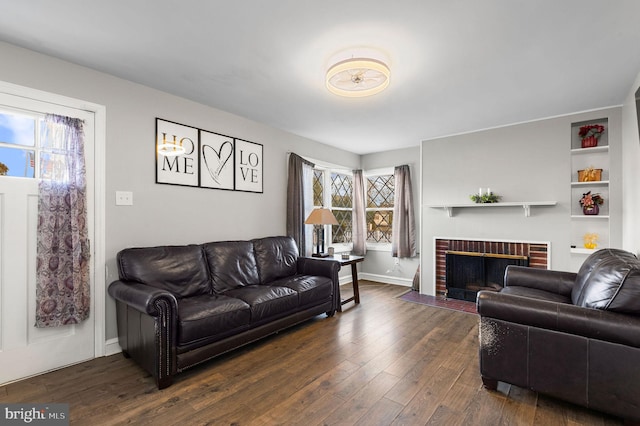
(358, 77)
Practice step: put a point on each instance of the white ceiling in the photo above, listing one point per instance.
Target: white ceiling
(457, 65)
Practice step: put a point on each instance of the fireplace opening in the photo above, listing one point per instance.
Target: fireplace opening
(467, 272)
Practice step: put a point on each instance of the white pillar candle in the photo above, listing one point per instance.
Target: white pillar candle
(488, 191)
(480, 191)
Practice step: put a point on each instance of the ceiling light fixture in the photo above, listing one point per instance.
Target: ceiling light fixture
(358, 77)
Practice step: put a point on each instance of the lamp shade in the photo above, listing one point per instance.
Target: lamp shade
(321, 217)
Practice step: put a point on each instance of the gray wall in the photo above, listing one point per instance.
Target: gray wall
(379, 265)
(131, 109)
(524, 162)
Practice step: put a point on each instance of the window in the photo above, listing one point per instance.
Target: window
(21, 148)
(341, 207)
(379, 210)
(333, 189)
(17, 145)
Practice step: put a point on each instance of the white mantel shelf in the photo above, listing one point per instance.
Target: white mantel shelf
(526, 205)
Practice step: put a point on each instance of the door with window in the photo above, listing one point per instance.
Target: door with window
(24, 349)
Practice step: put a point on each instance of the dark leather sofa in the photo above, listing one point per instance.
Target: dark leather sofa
(178, 306)
(572, 336)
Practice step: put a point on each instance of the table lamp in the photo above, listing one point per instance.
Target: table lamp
(320, 217)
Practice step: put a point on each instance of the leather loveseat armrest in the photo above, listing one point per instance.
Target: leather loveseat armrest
(141, 297)
(566, 318)
(559, 282)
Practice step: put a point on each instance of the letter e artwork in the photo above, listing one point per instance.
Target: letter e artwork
(249, 170)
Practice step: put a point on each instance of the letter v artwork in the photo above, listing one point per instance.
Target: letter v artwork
(190, 156)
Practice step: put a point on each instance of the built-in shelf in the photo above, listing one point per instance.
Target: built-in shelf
(592, 183)
(604, 148)
(526, 205)
(582, 250)
(590, 216)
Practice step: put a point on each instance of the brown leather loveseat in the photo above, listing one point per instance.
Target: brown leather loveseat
(572, 336)
(178, 306)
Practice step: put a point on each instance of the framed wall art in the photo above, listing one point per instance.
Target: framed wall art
(189, 156)
(248, 166)
(177, 164)
(216, 161)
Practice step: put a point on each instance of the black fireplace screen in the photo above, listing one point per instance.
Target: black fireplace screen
(467, 273)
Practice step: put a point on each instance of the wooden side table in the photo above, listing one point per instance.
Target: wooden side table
(353, 260)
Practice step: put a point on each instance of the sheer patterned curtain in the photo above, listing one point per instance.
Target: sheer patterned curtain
(403, 234)
(300, 202)
(62, 266)
(359, 221)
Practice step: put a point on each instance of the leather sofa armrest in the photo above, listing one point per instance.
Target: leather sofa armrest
(318, 267)
(323, 268)
(562, 317)
(559, 282)
(141, 297)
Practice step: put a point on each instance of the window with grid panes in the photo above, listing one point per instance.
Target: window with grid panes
(23, 153)
(341, 207)
(379, 210)
(334, 190)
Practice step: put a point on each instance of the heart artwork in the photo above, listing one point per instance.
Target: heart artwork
(215, 160)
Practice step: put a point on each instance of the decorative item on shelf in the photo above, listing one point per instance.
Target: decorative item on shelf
(590, 203)
(590, 174)
(3, 169)
(590, 134)
(487, 197)
(590, 240)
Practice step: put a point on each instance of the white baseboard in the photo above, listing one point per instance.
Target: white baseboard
(111, 347)
(386, 279)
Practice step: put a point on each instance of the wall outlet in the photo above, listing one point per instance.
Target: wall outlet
(396, 260)
(124, 198)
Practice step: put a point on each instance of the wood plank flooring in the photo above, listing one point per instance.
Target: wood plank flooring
(383, 362)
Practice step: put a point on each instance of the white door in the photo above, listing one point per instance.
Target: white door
(24, 349)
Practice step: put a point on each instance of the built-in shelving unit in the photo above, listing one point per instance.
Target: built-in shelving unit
(581, 159)
(526, 205)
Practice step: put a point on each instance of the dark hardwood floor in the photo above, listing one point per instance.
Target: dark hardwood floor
(383, 362)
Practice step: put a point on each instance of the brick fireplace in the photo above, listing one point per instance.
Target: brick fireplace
(537, 254)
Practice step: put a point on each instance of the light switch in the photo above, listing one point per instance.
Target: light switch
(124, 198)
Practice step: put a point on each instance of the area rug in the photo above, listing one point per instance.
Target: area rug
(439, 302)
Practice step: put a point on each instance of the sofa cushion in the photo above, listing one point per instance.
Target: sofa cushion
(266, 302)
(586, 270)
(276, 258)
(210, 317)
(181, 270)
(311, 290)
(614, 285)
(232, 264)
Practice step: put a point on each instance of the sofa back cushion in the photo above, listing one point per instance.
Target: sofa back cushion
(277, 257)
(586, 270)
(181, 270)
(232, 264)
(613, 283)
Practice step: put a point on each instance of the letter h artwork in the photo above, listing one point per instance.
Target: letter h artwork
(189, 156)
